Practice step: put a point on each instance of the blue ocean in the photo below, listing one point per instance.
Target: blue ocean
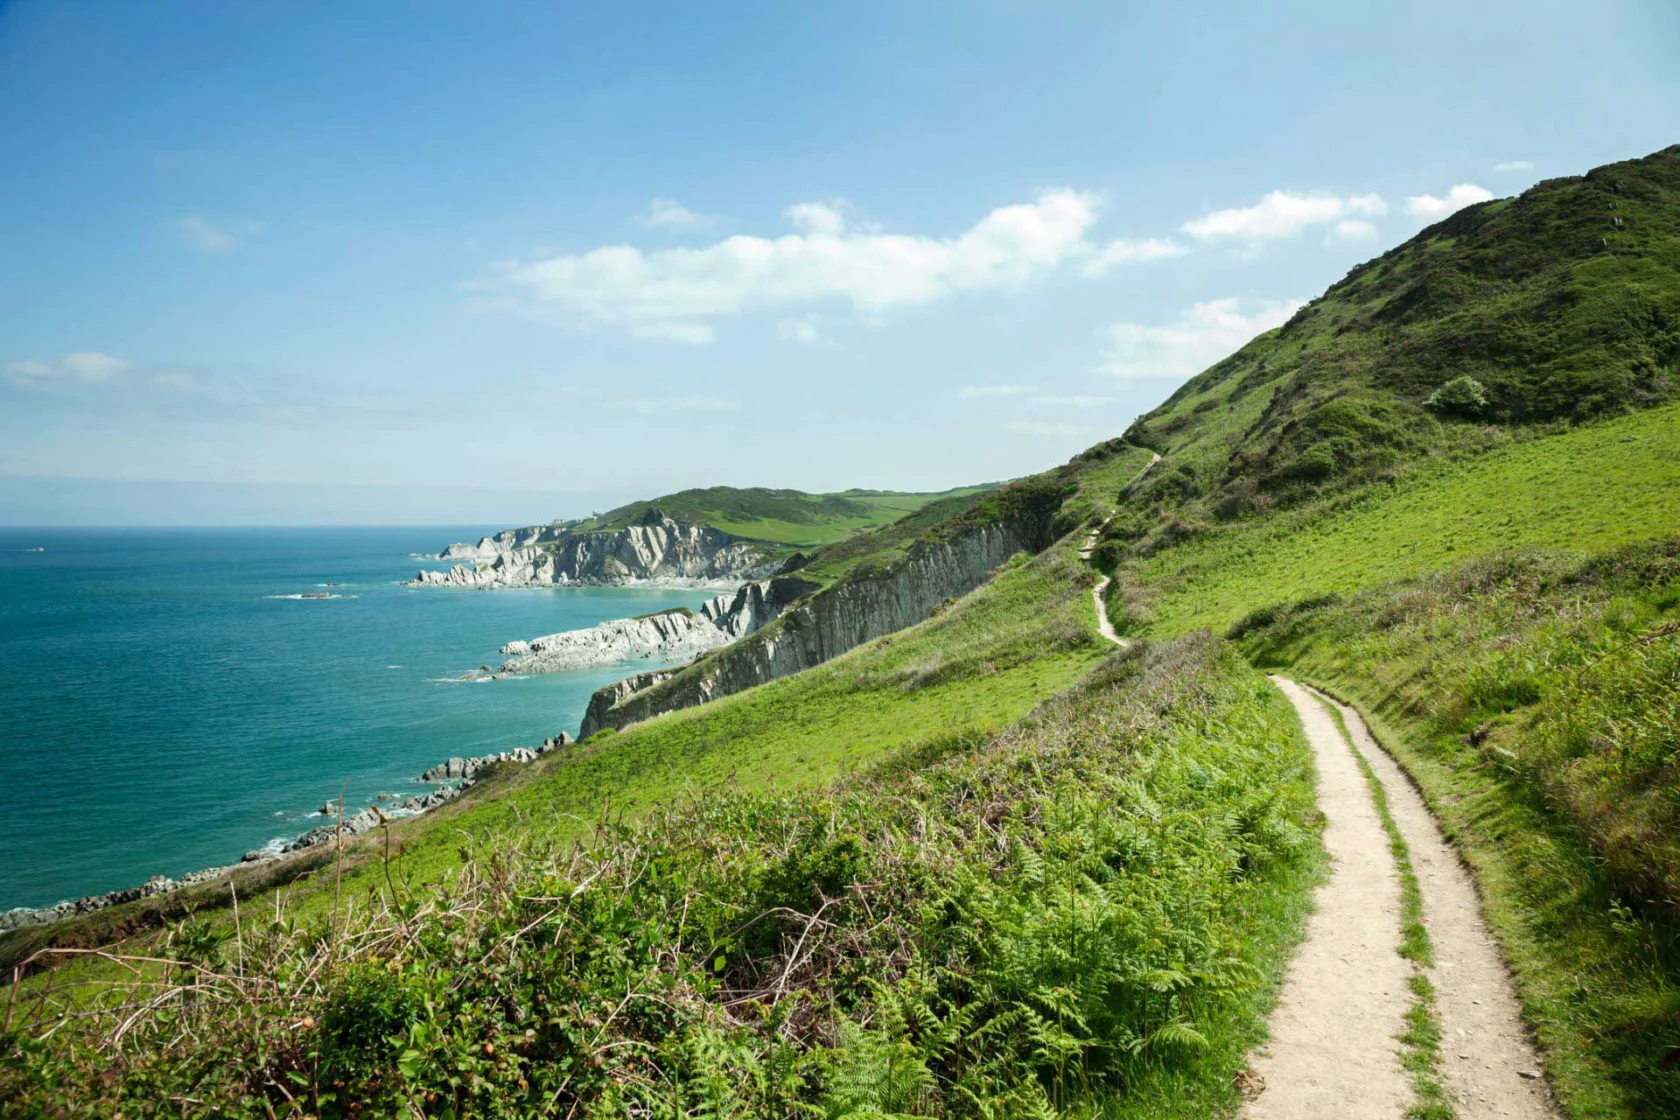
(168, 702)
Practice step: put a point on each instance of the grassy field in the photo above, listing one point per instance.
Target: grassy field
(1086, 915)
(1533, 699)
(1590, 488)
(788, 517)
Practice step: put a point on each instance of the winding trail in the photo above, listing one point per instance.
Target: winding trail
(1333, 1051)
(1104, 626)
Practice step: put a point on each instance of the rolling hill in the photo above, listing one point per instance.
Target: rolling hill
(988, 865)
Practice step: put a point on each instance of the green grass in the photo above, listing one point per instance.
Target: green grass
(787, 517)
(1589, 488)
(1532, 698)
(1088, 913)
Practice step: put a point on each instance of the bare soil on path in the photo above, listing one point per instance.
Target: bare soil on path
(1333, 1052)
(1485, 1047)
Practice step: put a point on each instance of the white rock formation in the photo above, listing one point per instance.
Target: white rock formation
(657, 551)
(673, 635)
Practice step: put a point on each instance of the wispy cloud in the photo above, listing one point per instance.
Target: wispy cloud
(620, 285)
(1202, 335)
(1431, 208)
(1515, 165)
(673, 404)
(982, 392)
(1071, 402)
(1039, 428)
(1124, 251)
(88, 367)
(806, 331)
(1354, 229)
(687, 334)
(667, 213)
(207, 237)
(1281, 214)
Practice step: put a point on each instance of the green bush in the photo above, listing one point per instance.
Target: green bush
(1462, 396)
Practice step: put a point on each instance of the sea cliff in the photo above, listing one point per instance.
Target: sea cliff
(816, 627)
(668, 636)
(656, 550)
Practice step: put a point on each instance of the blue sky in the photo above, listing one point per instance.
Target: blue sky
(497, 262)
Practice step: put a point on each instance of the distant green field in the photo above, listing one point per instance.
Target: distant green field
(1587, 489)
(788, 517)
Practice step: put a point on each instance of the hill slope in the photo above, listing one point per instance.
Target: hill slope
(790, 517)
(727, 967)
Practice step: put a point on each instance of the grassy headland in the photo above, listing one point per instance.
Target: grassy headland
(1088, 912)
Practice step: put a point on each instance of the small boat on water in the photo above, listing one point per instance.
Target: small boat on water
(37, 549)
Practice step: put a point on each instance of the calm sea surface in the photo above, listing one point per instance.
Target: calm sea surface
(165, 706)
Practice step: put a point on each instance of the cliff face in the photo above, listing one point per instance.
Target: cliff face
(826, 624)
(670, 636)
(658, 550)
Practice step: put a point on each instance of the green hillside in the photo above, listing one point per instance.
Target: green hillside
(988, 866)
(789, 517)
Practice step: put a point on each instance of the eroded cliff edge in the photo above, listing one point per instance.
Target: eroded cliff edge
(867, 603)
(655, 550)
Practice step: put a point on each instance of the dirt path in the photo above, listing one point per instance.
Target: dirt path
(1332, 1053)
(1484, 1045)
(1333, 1049)
(1104, 626)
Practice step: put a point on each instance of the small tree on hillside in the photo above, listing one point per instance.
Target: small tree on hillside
(1462, 396)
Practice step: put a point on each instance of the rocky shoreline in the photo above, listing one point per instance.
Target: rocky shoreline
(463, 772)
(657, 551)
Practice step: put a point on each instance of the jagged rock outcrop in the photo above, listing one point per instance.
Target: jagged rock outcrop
(826, 624)
(670, 636)
(655, 550)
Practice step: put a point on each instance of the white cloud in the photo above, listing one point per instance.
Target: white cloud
(206, 237)
(1071, 402)
(178, 380)
(1035, 428)
(1124, 251)
(688, 334)
(674, 404)
(806, 331)
(1430, 208)
(818, 218)
(1515, 165)
(981, 392)
(620, 285)
(1281, 214)
(87, 366)
(1201, 336)
(1355, 229)
(668, 213)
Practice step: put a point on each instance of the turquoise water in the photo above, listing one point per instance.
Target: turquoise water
(164, 706)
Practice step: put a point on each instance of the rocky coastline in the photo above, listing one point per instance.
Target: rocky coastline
(657, 551)
(462, 772)
(674, 635)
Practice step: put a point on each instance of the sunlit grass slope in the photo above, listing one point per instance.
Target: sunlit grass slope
(1533, 697)
(788, 517)
(1589, 488)
(1084, 915)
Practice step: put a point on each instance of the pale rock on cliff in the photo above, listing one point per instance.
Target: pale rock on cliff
(658, 550)
(670, 636)
(826, 624)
